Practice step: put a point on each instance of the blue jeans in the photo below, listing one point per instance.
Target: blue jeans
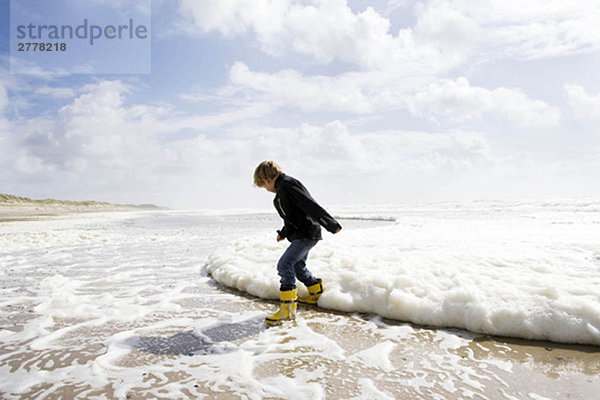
(292, 265)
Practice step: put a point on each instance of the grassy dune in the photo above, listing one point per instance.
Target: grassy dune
(9, 199)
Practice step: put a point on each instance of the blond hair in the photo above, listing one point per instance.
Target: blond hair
(267, 169)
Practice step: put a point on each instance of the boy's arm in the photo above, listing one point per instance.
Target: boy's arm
(304, 200)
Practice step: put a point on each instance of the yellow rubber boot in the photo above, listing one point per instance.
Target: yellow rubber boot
(314, 292)
(287, 308)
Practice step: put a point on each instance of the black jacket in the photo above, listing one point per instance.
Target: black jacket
(300, 212)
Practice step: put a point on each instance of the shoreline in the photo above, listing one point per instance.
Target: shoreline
(16, 208)
(34, 213)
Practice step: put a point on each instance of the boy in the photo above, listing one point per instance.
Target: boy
(301, 215)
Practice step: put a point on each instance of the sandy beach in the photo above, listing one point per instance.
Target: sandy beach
(122, 307)
(16, 208)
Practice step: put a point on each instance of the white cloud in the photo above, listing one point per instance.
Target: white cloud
(361, 92)
(331, 150)
(406, 70)
(55, 92)
(327, 30)
(230, 18)
(17, 165)
(449, 28)
(446, 32)
(339, 166)
(313, 93)
(393, 5)
(397, 165)
(3, 98)
(584, 105)
(458, 100)
(124, 149)
(6, 148)
(332, 31)
(97, 128)
(542, 28)
(369, 93)
(24, 67)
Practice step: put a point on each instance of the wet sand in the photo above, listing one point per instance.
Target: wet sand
(420, 366)
(480, 367)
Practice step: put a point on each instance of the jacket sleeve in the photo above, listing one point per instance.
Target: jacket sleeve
(300, 196)
(282, 232)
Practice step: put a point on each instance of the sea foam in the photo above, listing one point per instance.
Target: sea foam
(527, 271)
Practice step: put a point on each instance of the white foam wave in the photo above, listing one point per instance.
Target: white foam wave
(507, 273)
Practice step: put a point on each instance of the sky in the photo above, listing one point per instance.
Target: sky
(388, 101)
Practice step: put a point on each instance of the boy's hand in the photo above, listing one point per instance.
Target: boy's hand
(279, 238)
(337, 230)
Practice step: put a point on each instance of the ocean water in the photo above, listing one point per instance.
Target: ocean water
(119, 305)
